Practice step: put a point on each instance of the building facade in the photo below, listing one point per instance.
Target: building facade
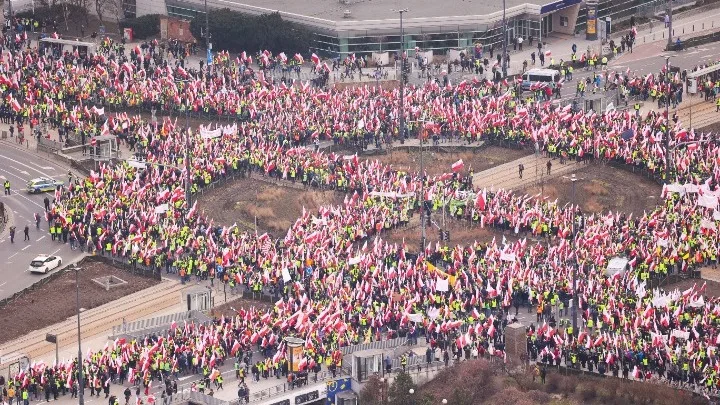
(342, 27)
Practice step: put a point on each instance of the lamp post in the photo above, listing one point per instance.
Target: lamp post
(401, 114)
(667, 118)
(574, 180)
(411, 391)
(444, 401)
(207, 40)
(504, 56)
(81, 387)
(670, 31)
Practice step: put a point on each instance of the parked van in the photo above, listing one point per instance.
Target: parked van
(533, 76)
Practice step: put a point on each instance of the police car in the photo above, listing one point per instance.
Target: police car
(44, 263)
(36, 186)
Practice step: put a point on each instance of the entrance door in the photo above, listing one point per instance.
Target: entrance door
(547, 25)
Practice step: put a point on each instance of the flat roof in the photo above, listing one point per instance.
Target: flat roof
(376, 17)
(382, 9)
(69, 42)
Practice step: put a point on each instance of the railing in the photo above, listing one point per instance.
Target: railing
(193, 397)
(377, 345)
(147, 326)
(285, 388)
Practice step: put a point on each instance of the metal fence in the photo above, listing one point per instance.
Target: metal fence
(158, 323)
(377, 345)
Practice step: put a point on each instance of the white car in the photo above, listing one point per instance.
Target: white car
(44, 263)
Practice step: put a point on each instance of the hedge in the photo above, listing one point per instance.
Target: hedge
(143, 27)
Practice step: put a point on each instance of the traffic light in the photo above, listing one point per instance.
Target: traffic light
(447, 236)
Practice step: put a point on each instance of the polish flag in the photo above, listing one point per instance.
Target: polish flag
(457, 166)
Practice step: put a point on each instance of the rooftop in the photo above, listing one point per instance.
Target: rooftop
(383, 9)
(378, 15)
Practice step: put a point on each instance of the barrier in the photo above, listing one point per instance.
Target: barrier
(157, 324)
(377, 345)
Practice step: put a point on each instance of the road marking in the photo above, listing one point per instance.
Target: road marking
(41, 238)
(53, 253)
(46, 167)
(3, 177)
(26, 166)
(25, 247)
(3, 284)
(23, 196)
(13, 255)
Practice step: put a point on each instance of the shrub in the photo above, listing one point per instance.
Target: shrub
(143, 27)
(233, 31)
(74, 12)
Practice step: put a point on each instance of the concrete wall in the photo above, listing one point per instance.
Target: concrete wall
(572, 14)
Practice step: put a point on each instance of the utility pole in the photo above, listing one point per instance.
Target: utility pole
(81, 387)
(505, 44)
(208, 46)
(670, 30)
(667, 116)
(574, 180)
(12, 26)
(188, 178)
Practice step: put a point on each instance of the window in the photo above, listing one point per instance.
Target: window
(563, 21)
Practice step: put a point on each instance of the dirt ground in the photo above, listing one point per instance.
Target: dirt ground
(32, 311)
(439, 162)
(230, 309)
(604, 188)
(276, 207)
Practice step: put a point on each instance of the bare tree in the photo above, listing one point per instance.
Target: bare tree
(108, 8)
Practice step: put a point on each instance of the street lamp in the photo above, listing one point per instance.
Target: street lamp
(574, 180)
(444, 401)
(667, 117)
(670, 31)
(412, 399)
(504, 56)
(81, 387)
(401, 115)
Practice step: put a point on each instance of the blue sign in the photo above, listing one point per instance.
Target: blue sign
(209, 57)
(557, 5)
(335, 387)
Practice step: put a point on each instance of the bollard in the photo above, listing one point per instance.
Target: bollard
(693, 27)
(683, 30)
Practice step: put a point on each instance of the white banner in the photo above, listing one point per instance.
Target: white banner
(208, 134)
(709, 201)
(707, 224)
(390, 195)
(507, 257)
(441, 285)
(415, 317)
(161, 209)
(680, 334)
(691, 188)
(354, 260)
(286, 275)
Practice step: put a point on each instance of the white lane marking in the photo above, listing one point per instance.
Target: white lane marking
(53, 253)
(41, 238)
(26, 166)
(22, 196)
(25, 247)
(13, 255)
(3, 284)
(46, 167)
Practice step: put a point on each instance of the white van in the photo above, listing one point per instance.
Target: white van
(533, 76)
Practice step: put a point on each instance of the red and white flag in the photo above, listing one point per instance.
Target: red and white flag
(458, 166)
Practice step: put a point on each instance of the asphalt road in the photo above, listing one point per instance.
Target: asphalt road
(19, 166)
